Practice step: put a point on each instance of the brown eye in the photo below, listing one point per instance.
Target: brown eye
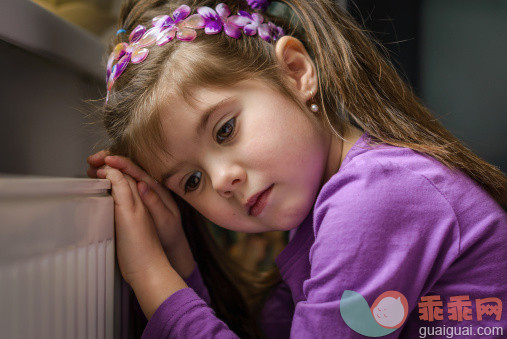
(226, 131)
(193, 182)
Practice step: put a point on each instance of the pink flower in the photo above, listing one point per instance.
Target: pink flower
(180, 25)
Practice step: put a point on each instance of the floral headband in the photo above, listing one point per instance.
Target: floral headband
(183, 26)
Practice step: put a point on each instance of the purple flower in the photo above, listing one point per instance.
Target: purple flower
(267, 31)
(181, 24)
(270, 32)
(276, 31)
(121, 54)
(254, 21)
(137, 33)
(259, 5)
(222, 18)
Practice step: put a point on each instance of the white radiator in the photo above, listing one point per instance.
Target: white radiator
(58, 277)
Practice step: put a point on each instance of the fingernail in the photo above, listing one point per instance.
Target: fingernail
(144, 188)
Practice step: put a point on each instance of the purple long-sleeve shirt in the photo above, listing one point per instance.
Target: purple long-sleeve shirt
(390, 219)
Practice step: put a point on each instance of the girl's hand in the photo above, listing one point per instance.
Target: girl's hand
(137, 244)
(161, 206)
(142, 261)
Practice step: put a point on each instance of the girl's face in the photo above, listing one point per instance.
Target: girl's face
(245, 157)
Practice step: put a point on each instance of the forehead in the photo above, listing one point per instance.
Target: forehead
(194, 103)
(200, 98)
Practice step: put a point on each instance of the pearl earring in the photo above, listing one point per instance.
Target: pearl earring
(314, 107)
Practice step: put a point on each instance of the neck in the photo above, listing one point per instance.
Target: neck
(338, 150)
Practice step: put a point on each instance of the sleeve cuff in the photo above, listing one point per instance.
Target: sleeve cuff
(170, 311)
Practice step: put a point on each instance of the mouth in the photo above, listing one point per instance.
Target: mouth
(257, 202)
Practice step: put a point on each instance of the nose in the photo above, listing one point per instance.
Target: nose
(226, 178)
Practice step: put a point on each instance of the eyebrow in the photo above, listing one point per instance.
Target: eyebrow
(201, 127)
(209, 112)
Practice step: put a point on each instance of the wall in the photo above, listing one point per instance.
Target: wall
(463, 71)
(453, 54)
(47, 69)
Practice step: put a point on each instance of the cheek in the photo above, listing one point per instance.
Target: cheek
(289, 152)
(268, 142)
(214, 209)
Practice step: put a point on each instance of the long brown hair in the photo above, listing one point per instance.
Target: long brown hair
(357, 86)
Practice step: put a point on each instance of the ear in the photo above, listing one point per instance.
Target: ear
(294, 58)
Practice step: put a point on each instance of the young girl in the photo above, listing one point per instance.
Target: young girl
(284, 118)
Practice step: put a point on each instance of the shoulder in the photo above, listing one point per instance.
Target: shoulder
(385, 184)
(380, 210)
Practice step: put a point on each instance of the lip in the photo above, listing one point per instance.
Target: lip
(256, 203)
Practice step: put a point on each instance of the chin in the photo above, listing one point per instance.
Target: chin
(293, 218)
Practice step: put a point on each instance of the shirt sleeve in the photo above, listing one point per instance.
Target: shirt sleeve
(277, 312)
(378, 228)
(195, 282)
(187, 314)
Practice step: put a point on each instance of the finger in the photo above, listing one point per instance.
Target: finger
(133, 188)
(127, 166)
(92, 172)
(121, 190)
(102, 171)
(158, 210)
(97, 159)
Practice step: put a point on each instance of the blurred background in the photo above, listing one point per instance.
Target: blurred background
(52, 57)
